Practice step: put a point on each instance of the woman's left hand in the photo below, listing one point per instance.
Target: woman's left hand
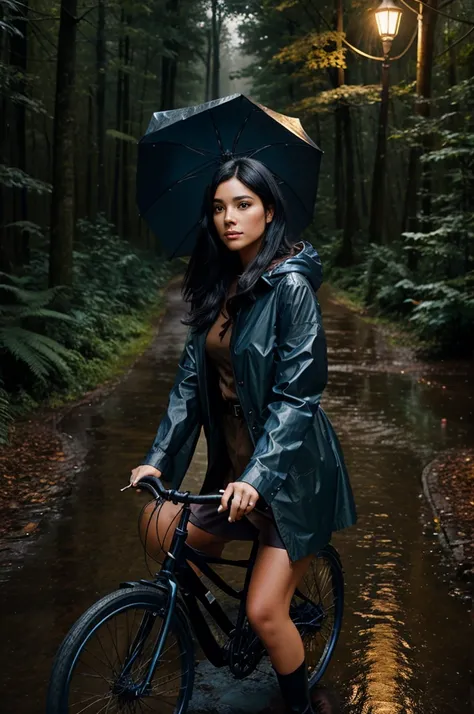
(244, 498)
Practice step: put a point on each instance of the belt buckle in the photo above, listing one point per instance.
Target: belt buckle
(237, 410)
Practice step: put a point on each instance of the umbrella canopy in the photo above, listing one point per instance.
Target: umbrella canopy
(182, 149)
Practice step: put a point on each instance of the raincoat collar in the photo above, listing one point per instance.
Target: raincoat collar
(306, 261)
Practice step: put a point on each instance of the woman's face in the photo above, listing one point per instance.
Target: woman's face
(240, 218)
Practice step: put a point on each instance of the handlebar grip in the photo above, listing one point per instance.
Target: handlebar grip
(153, 485)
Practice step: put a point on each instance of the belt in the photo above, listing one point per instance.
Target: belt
(233, 408)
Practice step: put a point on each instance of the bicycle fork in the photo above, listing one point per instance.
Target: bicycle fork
(168, 583)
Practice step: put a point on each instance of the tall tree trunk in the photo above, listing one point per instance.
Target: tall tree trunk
(62, 202)
(361, 164)
(207, 89)
(141, 128)
(338, 171)
(216, 61)
(424, 66)
(4, 257)
(18, 59)
(126, 129)
(100, 108)
(169, 65)
(346, 212)
(424, 85)
(90, 155)
(452, 63)
(118, 126)
(336, 77)
(351, 220)
(377, 204)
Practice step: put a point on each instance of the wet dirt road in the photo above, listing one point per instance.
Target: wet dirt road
(404, 648)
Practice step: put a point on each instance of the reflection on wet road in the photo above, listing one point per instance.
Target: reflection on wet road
(404, 648)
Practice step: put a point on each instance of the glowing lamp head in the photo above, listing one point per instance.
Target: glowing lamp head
(388, 17)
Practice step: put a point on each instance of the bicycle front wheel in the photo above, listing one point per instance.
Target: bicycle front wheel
(103, 662)
(317, 608)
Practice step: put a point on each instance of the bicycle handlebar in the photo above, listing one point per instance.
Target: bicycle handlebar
(157, 490)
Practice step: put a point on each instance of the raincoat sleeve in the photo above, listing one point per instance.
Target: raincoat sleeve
(183, 414)
(300, 378)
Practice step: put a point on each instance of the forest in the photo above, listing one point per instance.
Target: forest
(394, 223)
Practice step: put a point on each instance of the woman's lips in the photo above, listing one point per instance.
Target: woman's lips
(232, 236)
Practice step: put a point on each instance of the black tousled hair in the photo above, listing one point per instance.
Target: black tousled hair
(212, 266)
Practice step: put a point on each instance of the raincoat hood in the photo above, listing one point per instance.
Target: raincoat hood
(306, 261)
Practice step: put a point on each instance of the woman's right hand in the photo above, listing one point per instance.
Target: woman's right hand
(142, 471)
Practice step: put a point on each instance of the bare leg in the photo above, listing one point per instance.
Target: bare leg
(272, 586)
(157, 526)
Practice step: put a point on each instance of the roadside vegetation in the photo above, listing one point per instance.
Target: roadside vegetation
(58, 343)
(424, 281)
(394, 223)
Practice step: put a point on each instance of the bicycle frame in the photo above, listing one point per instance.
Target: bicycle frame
(176, 571)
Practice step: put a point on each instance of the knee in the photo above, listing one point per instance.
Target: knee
(263, 617)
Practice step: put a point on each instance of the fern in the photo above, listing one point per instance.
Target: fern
(5, 415)
(40, 353)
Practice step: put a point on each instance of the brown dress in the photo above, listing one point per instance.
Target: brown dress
(257, 524)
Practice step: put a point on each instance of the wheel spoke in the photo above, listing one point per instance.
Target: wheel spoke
(317, 610)
(98, 699)
(115, 658)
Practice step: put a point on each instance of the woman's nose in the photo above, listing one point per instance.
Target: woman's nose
(229, 218)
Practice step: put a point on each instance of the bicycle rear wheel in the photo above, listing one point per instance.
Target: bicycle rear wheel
(106, 655)
(317, 609)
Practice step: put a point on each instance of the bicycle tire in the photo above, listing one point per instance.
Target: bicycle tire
(152, 603)
(311, 619)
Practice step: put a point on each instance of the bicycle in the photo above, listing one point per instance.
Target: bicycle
(149, 661)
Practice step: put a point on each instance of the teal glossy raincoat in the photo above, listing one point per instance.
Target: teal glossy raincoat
(278, 352)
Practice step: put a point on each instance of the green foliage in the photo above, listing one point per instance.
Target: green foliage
(6, 416)
(11, 177)
(443, 315)
(32, 229)
(25, 349)
(47, 353)
(316, 50)
(23, 315)
(353, 94)
(114, 134)
(8, 9)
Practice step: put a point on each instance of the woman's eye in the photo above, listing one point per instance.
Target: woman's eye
(217, 209)
(244, 204)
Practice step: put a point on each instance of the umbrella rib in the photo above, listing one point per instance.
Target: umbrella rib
(283, 143)
(182, 241)
(217, 132)
(186, 146)
(237, 138)
(190, 175)
(278, 143)
(293, 192)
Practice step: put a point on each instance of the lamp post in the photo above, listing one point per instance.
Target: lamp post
(388, 16)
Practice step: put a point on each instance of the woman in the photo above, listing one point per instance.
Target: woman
(252, 373)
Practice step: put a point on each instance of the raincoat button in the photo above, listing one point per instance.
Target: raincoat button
(250, 412)
(240, 383)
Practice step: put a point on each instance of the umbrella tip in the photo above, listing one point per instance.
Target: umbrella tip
(227, 155)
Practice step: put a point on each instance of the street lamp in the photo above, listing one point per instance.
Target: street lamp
(388, 16)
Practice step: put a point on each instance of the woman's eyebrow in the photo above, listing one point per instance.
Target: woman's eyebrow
(236, 198)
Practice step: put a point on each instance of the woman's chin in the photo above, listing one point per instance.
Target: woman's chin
(235, 243)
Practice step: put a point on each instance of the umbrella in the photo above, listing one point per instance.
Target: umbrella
(182, 148)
